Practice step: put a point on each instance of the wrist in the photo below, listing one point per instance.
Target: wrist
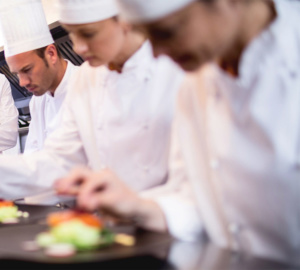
(149, 215)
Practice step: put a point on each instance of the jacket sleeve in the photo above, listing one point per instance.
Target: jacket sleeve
(29, 174)
(177, 198)
(8, 118)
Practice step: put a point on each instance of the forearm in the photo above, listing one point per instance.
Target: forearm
(23, 176)
(148, 215)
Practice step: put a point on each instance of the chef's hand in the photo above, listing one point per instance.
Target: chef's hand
(105, 191)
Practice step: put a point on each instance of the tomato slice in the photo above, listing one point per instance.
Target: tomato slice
(4, 203)
(56, 218)
(90, 220)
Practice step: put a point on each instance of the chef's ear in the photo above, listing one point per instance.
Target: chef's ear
(52, 53)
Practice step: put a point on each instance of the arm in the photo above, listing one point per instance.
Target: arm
(177, 199)
(105, 191)
(8, 118)
(170, 208)
(26, 175)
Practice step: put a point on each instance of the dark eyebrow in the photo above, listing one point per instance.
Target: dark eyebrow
(24, 68)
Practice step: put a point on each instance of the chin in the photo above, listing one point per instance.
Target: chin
(37, 94)
(189, 66)
(192, 64)
(94, 63)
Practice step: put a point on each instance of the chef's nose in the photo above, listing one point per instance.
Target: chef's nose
(79, 46)
(23, 80)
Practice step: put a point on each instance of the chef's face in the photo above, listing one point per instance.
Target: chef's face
(200, 32)
(99, 42)
(35, 73)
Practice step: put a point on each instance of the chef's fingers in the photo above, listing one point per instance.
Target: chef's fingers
(88, 197)
(106, 191)
(71, 183)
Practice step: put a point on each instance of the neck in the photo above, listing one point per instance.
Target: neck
(256, 17)
(133, 41)
(60, 70)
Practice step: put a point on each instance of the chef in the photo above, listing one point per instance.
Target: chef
(8, 116)
(31, 54)
(237, 127)
(118, 111)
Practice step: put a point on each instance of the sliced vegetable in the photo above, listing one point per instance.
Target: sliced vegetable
(82, 230)
(7, 212)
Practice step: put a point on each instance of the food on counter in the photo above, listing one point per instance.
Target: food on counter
(9, 212)
(30, 246)
(60, 250)
(84, 231)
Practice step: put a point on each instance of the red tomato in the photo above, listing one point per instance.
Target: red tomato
(4, 203)
(59, 217)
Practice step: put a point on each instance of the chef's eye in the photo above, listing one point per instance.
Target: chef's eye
(88, 35)
(162, 34)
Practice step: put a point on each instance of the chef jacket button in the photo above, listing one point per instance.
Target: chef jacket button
(214, 164)
(145, 126)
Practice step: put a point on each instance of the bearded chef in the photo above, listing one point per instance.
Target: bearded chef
(32, 55)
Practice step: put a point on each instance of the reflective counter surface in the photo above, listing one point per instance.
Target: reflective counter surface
(152, 250)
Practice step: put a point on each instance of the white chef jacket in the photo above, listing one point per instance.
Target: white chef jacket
(239, 140)
(8, 116)
(121, 121)
(46, 112)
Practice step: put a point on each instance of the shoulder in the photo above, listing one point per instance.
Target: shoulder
(85, 79)
(87, 75)
(285, 33)
(169, 65)
(2, 77)
(167, 73)
(3, 80)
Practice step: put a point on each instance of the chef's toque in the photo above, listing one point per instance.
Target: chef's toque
(85, 11)
(149, 10)
(23, 26)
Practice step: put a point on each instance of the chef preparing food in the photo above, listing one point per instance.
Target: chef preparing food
(119, 111)
(237, 128)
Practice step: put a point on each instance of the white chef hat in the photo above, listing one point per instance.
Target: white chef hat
(85, 11)
(24, 26)
(149, 10)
